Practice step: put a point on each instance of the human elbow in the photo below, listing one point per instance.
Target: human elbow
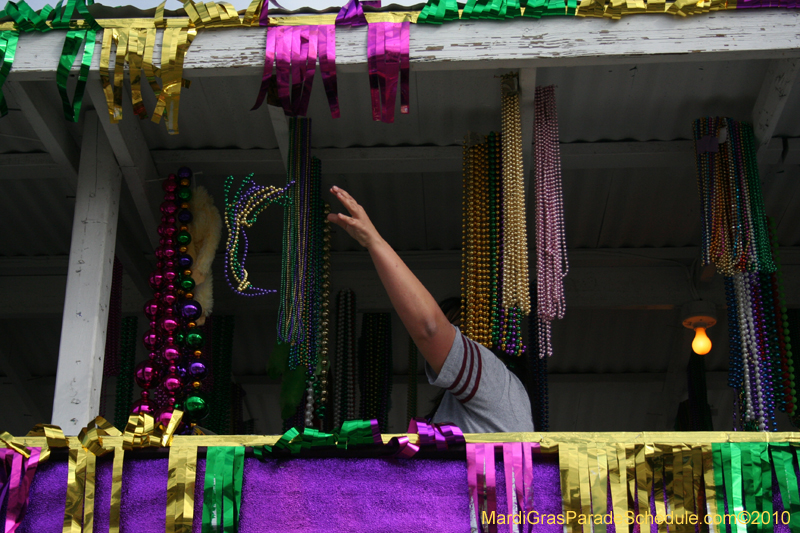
(429, 329)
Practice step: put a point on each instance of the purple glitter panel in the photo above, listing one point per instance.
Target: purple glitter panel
(102, 491)
(355, 495)
(144, 495)
(299, 495)
(47, 499)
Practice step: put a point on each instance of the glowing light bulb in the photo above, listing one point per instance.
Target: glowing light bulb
(701, 343)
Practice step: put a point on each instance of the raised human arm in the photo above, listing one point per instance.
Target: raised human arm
(425, 322)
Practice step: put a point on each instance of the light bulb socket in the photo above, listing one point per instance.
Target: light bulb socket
(698, 314)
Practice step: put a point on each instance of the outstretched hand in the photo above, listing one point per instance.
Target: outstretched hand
(358, 224)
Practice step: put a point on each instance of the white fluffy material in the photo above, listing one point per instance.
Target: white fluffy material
(206, 229)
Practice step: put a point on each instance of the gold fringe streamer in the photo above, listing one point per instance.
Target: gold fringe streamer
(133, 42)
(619, 499)
(76, 478)
(54, 438)
(677, 483)
(598, 479)
(709, 483)
(180, 489)
(688, 494)
(658, 485)
(644, 475)
(116, 489)
(9, 441)
(584, 484)
(630, 463)
(697, 484)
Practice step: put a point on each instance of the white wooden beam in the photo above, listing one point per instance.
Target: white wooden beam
(772, 98)
(63, 154)
(91, 261)
(519, 43)
(132, 153)
(49, 125)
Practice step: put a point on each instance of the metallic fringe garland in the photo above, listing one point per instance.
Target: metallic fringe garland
(295, 67)
(551, 248)
(440, 11)
(388, 63)
(701, 483)
(222, 489)
(127, 359)
(375, 374)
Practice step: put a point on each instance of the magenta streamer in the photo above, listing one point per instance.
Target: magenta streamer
(294, 51)
(508, 464)
(480, 466)
(491, 484)
(283, 62)
(269, 60)
(527, 473)
(472, 479)
(297, 64)
(372, 64)
(310, 51)
(406, 449)
(380, 61)
(351, 14)
(17, 485)
(263, 18)
(443, 436)
(391, 71)
(387, 58)
(376, 431)
(404, 67)
(327, 64)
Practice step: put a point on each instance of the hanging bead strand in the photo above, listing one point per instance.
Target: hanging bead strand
(516, 292)
(551, 248)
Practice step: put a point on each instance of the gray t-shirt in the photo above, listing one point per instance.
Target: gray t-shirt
(481, 394)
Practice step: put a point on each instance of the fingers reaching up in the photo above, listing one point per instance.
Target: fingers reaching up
(358, 224)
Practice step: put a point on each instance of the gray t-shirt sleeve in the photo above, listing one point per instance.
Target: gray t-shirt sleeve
(483, 385)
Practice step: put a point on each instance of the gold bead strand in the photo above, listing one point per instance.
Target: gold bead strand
(515, 262)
